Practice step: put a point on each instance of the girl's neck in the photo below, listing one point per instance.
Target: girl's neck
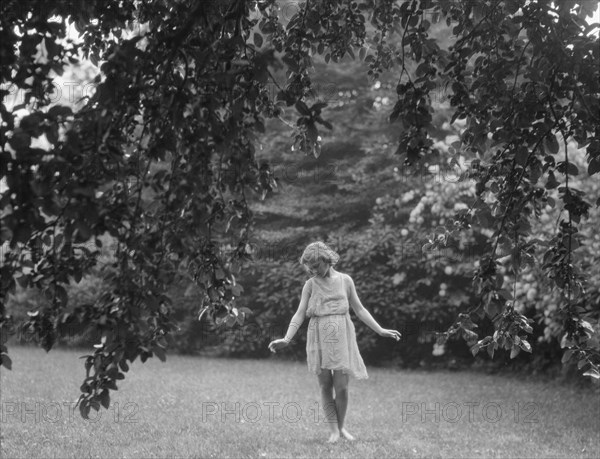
(329, 274)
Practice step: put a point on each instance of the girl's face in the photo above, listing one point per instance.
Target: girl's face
(319, 268)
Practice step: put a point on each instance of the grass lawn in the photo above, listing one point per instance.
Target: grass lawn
(199, 407)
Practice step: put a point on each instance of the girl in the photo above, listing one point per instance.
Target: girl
(331, 339)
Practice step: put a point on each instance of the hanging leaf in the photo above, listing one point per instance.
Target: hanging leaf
(258, 39)
(524, 344)
(551, 143)
(521, 156)
(5, 361)
(60, 111)
(551, 183)
(312, 132)
(567, 356)
(160, 353)
(514, 351)
(594, 166)
(202, 312)
(593, 373)
(303, 108)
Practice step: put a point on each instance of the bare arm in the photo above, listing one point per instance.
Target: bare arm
(296, 322)
(300, 315)
(364, 315)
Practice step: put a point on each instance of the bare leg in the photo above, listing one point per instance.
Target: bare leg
(340, 383)
(326, 384)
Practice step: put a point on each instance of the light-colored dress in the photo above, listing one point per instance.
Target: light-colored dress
(331, 337)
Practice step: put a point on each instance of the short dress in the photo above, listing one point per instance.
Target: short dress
(331, 337)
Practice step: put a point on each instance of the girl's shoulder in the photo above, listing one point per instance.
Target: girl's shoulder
(345, 277)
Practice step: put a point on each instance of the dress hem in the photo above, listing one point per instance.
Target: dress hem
(344, 370)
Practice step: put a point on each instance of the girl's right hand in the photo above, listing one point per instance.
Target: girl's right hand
(394, 334)
(274, 346)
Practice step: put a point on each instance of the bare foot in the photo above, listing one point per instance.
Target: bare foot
(346, 434)
(334, 437)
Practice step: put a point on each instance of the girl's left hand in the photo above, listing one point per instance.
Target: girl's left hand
(394, 334)
(277, 344)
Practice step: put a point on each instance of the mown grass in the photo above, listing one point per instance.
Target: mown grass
(200, 407)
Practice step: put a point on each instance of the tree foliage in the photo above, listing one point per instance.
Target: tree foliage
(162, 157)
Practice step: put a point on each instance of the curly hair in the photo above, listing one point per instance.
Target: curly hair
(316, 251)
